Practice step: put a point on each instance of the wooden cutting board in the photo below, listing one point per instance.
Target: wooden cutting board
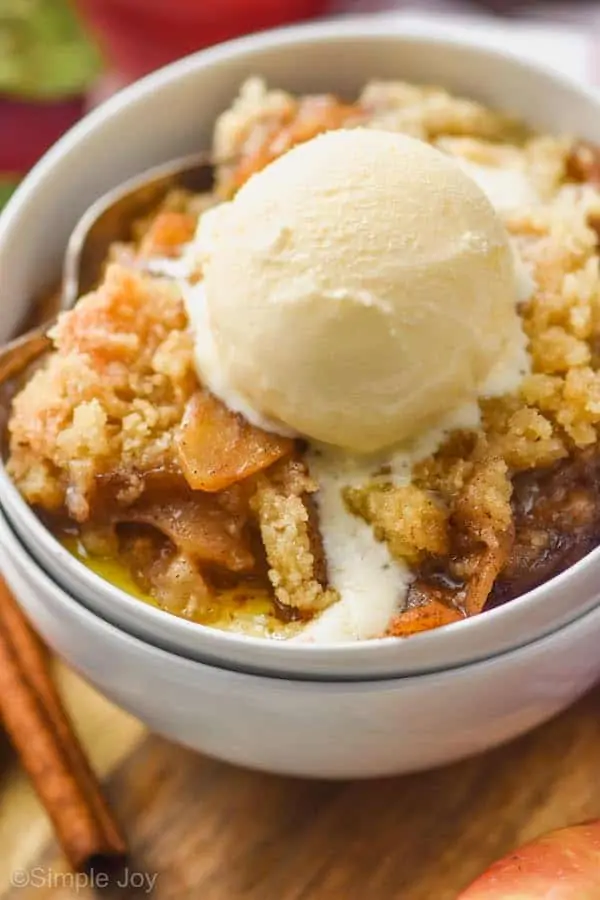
(204, 830)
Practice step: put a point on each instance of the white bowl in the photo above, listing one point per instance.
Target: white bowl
(171, 113)
(305, 728)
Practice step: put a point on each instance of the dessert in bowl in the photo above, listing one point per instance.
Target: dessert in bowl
(349, 394)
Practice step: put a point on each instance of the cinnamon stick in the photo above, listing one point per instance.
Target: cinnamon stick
(43, 736)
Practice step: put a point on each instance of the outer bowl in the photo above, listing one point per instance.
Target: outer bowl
(334, 729)
(172, 113)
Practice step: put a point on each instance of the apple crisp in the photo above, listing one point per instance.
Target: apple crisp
(128, 458)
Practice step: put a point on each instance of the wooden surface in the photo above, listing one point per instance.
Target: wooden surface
(204, 830)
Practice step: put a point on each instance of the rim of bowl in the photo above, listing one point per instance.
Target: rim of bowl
(71, 606)
(355, 28)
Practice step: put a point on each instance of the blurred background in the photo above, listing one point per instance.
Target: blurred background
(58, 58)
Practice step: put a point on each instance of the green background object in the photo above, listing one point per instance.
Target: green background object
(6, 189)
(45, 55)
(44, 52)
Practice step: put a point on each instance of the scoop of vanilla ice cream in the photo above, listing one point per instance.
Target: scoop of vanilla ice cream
(356, 290)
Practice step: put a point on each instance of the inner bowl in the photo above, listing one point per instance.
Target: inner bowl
(171, 113)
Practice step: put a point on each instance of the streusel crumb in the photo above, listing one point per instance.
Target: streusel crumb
(109, 396)
(412, 522)
(291, 540)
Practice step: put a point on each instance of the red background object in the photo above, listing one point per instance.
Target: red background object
(28, 129)
(138, 36)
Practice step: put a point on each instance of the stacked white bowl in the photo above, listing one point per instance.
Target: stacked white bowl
(348, 710)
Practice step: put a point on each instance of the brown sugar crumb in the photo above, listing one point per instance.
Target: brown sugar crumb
(560, 399)
(483, 508)
(295, 555)
(447, 470)
(109, 396)
(521, 435)
(555, 350)
(410, 520)
(476, 487)
(574, 401)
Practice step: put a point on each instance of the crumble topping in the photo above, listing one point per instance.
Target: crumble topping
(411, 521)
(108, 398)
(289, 529)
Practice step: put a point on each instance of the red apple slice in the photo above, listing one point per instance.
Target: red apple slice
(563, 865)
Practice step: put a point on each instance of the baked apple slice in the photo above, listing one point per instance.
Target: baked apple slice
(217, 448)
